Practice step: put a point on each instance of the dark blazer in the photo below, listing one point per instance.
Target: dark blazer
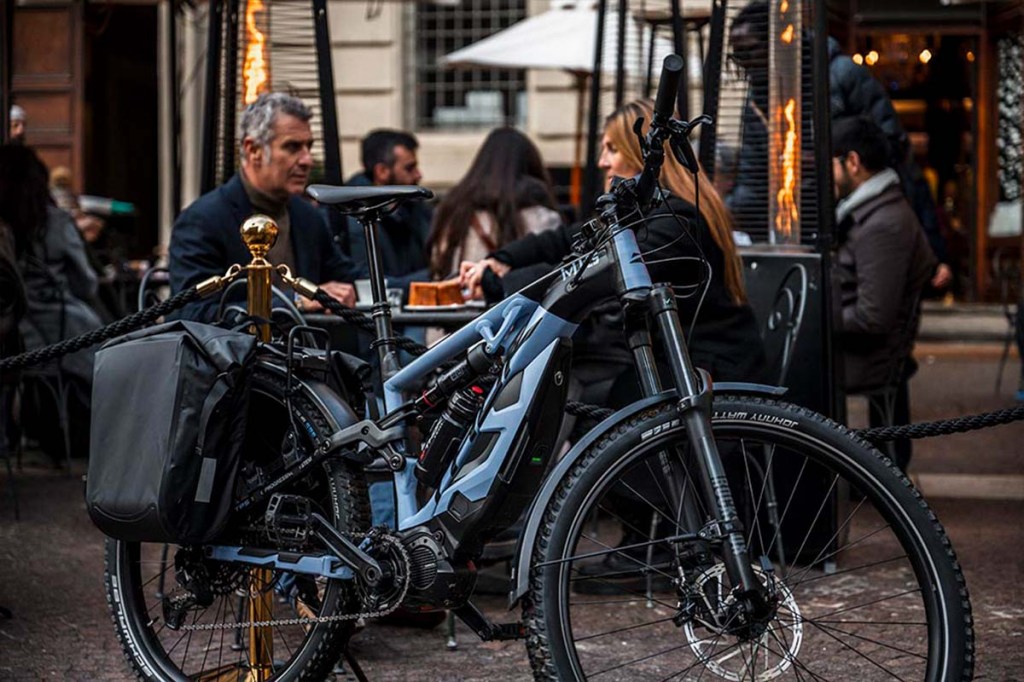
(883, 263)
(206, 242)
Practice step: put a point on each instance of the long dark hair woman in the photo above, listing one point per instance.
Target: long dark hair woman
(505, 194)
(725, 337)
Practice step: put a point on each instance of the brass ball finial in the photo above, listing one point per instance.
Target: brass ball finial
(259, 233)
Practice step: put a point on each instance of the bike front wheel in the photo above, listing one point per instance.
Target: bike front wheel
(627, 581)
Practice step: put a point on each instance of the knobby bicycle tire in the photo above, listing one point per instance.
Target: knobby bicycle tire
(866, 581)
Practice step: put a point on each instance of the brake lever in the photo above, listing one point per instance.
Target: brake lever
(683, 152)
(679, 141)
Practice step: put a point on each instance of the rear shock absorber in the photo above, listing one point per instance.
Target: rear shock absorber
(446, 435)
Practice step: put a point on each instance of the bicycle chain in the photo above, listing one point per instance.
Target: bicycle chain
(322, 619)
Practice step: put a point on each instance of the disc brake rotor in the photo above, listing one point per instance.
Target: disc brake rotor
(764, 657)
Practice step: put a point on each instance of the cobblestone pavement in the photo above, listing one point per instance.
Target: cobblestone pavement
(51, 564)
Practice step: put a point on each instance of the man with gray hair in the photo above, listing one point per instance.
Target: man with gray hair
(275, 163)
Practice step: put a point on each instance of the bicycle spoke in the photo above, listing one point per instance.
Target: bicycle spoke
(848, 546)
(756, 523)
(795, 660)
(817, 516)
(870, 640)
(625, 629)
(647, 502)
(861, 655)
(639, 563)
(785, 510)
(869, 603)
(657, 483)
(209, 642)
(602, 602)
(893, 623)
(638, 595)
(793, 584)
(638, 660)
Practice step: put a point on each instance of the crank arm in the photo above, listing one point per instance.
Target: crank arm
(343, 548)
(487, 631)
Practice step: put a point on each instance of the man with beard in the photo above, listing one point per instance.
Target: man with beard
(883, 263)
(389, 158)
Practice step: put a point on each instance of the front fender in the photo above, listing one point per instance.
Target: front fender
(520, 578)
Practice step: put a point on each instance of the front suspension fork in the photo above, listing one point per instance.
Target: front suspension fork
(695, 408)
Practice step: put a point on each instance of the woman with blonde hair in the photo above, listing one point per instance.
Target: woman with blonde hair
(696, 253)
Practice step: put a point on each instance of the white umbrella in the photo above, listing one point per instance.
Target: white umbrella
(562, 38)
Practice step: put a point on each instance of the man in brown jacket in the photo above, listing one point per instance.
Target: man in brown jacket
(883, 263)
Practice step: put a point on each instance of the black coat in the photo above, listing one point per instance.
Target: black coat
(12, 295)
(206, 242)
(725, 339)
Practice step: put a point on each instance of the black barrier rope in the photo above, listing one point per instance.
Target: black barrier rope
(122, 326)
(584, 410)
(364, 321)
(144, 317)
(944, 427)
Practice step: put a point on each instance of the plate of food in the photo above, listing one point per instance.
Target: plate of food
(438, 296)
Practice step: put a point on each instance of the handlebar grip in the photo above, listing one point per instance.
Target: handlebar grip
(668, 87)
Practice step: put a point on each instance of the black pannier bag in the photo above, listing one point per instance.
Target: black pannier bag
(169, 407)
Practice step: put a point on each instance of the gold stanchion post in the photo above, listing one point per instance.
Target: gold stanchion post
(259, 234)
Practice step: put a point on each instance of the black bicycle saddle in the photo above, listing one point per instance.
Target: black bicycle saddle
(356, 198)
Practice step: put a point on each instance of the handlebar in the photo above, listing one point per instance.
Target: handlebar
(663, 129)
(668, 88)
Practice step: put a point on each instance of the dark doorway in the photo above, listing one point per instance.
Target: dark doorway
(121, 133)
(932, 79)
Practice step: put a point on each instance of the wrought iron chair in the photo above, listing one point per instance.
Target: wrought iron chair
(883, 398)
(785, 317)
(153, 288)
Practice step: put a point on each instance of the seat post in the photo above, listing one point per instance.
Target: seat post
(381, 310)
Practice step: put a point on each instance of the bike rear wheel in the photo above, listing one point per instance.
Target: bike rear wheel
(214, 641)
(863, 578)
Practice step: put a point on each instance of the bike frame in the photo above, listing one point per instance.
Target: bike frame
(532, 328)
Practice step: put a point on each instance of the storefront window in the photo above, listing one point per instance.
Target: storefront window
(461, 98)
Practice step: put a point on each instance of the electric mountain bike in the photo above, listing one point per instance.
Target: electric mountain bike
(706, 531)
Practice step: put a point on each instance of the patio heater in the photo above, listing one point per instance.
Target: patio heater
(257, 46)
(784, 38)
